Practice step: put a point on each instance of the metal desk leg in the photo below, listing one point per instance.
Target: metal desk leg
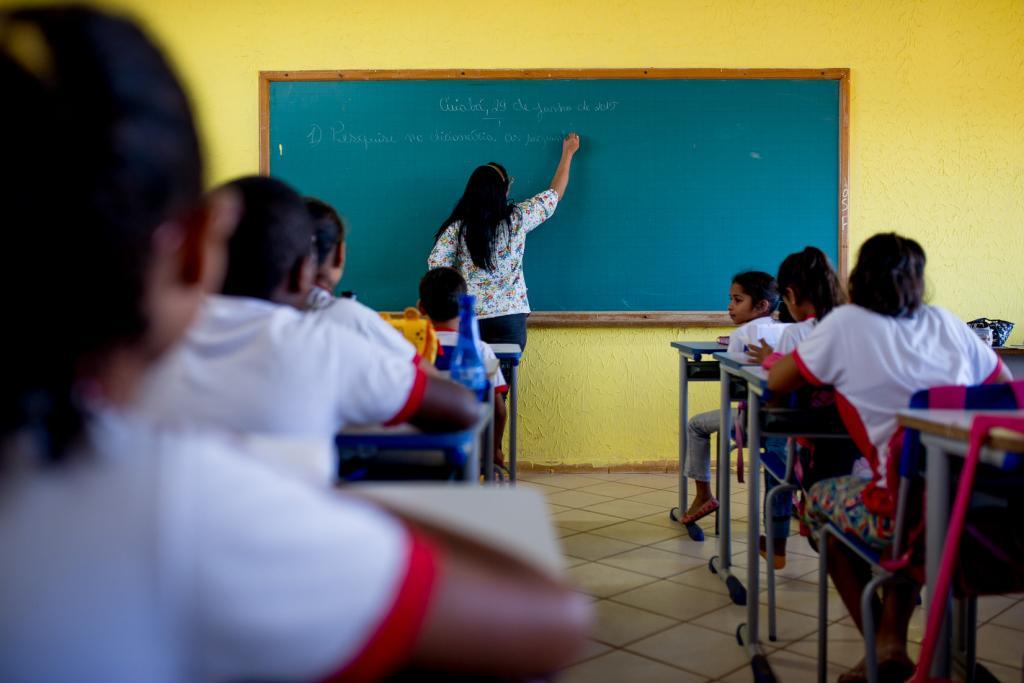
(676, 514)
(753, 513)
(471, 473)
(722, 563)
(513, 418)
(936, 523)
(965, 628)
(758, 661)
(488, 448)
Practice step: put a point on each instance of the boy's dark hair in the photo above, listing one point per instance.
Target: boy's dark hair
(273, 236)
(328, 228)
(889, 276)
(89, 202)
(440, 290)
(759, 286)
(811, 277)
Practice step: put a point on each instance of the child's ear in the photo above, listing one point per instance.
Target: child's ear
(419, 307)
(761, 307)
(300, 279)
(339, 255)
(209, 225)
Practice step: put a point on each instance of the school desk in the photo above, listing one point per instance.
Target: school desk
(945, 434)
(1013, 358)
(513, 354)
(730, 369)
(466, 444)
(764, 421)
(696, 364)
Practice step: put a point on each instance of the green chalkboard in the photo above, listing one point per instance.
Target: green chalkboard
(679, 182)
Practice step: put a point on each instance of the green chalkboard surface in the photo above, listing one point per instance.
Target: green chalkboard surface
(679, 182)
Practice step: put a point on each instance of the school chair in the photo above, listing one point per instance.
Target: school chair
(1000, 553)
(817, 423)
(979, 547)
(880, 576)
(884, 570)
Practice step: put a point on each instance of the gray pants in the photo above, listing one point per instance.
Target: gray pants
(698, 445)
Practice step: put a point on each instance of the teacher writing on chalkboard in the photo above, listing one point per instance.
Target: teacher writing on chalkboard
(485, 237)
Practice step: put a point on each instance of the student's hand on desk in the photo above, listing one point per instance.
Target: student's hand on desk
(571, 144)
(757, 354)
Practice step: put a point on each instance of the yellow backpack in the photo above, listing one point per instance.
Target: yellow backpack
(417, 329)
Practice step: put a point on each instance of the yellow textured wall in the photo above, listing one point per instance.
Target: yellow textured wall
(937, 141)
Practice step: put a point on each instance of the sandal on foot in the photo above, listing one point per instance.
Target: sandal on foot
(702, 512)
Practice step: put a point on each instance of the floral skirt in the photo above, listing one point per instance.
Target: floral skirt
(839, 500)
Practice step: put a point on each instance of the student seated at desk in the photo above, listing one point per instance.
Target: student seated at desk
(136, 554)
(440, 290)
(810, 290)
(753, 298)
(253, 362)
(876, 352)
(329, 244)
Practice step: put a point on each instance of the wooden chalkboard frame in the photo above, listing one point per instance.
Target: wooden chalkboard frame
(600, 318)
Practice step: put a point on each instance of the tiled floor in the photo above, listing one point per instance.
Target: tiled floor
(662, 616)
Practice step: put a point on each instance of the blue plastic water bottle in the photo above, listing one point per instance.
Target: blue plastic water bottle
(467, 368)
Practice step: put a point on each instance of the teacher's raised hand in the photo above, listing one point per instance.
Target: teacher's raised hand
(570, 145)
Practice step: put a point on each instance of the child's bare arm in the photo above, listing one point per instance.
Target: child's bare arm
(491, 619)
(446, 406)
(785, 376)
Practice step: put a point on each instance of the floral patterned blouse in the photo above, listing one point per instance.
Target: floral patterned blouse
(503, 290)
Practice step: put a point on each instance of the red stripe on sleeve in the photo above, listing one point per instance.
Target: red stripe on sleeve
(805, 371)
(393, 640)
(858, 432)
(992, 378)
(415, 398)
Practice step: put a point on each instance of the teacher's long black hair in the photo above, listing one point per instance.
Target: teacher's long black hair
(481, 213)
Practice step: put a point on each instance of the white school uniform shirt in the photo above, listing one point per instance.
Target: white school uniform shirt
(367, 322)
(250, 365)
(793, 334)
(449, 337)
(169, 556)
(789, 340)
(753, 331)
(876, 363)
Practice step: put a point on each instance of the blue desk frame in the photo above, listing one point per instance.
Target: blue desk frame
(468, 443)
